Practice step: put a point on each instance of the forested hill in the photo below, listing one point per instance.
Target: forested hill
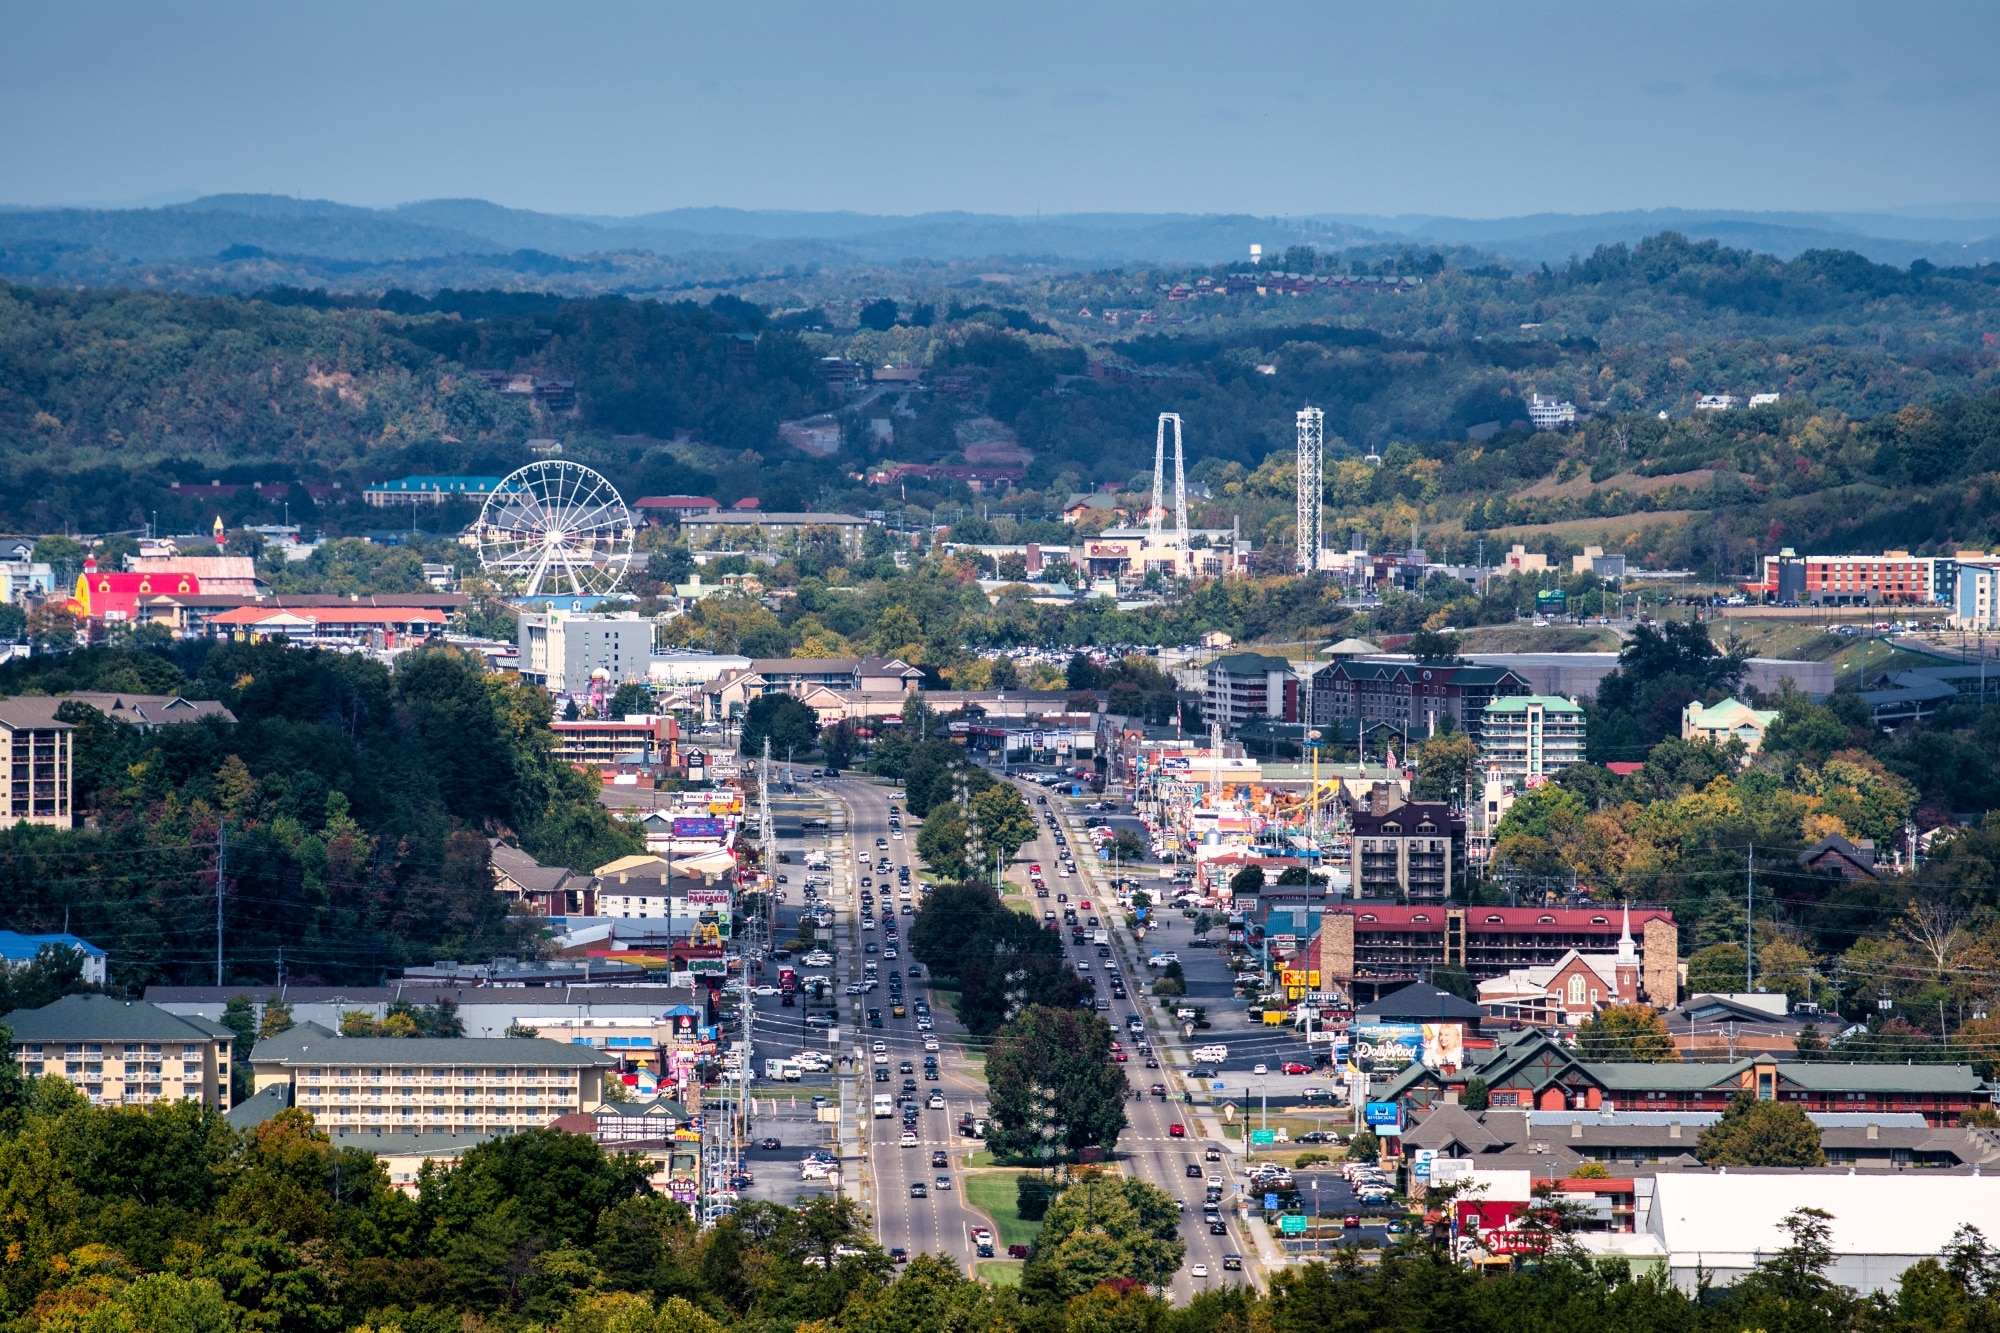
(106, 397)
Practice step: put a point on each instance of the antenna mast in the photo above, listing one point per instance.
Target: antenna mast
(1311, 486)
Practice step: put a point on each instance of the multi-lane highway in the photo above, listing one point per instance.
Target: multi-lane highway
(942, 1221)
(1148, 1149)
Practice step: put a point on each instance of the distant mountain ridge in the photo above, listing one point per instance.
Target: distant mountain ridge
(201, 238)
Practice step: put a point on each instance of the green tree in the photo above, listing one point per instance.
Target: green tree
(1364, 1146)
(631, 697)
(1717, 970)
(1082, 673)
(1104, 1227)
(1434, 649)
(1052, 1068)
(790, 725)
(1442, 764)
(1634, 1032)
(941, 841)
(1246, 883)
(1759, 1133)
(1005, 822)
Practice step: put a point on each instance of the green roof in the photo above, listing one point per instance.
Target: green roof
(428, 1051)
(1250, 664)
(1520, 703)
(101, 1018)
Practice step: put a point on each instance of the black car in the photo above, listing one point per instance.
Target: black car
(918, 1190)
(770, 1145)
(940, 1160)
(909, 1085)
(1218, 1228)
(881, 1074)
(1232, 1263)
(1194, 1170)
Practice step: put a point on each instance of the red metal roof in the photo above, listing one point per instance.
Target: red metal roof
(1389, 916)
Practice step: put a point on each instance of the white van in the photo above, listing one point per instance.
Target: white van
(1211, 1055)
(885, 1106)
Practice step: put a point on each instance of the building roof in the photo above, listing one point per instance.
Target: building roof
(1350, 648)
(1249, 664)
(18, 948)
(408, 1145)
(1389, 916)
(1420, 1000)
(1905, 1213)
(473, 485)
(676, 502)
(144, 711)
(330, 615)
(1521, 703)
(1729, 714)
(101, 1018)
(30, 714)
(1451, 1125)
(525, 870)
(425, 1051)
(254, 1111)
(756, 517)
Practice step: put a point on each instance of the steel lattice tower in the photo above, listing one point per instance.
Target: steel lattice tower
(1159, 509)
(1312, 481)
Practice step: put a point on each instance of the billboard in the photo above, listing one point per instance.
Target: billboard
(1380, 1114)
(1393, 1045)
(686, 826)
(708, 897)
(1386, 1045)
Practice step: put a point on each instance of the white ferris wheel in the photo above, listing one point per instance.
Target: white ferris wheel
(556, 527)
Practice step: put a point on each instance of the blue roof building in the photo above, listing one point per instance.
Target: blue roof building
(18, 950)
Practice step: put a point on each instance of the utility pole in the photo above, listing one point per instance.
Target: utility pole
(1749, 916)
(221, 869)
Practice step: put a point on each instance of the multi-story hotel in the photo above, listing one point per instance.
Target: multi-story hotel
(441, 1085)
(124, 1053)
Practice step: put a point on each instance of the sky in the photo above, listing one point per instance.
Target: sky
(1392, 107)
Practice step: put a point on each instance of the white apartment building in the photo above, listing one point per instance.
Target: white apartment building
(560, 649)
(430, 1085)
(1548, 412)
(1531, 736)
(123, 1053)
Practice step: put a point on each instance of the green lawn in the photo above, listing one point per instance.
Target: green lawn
(998, 1272)
(992, 1193)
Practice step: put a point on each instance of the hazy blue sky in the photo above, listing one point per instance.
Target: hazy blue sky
(1398, 106)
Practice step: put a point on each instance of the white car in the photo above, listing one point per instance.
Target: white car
(1260, 1069)
(763, 990)
(879, 1047)
(909, 1139)
(1199, 1270)
(930, 1043)
(881, 1057)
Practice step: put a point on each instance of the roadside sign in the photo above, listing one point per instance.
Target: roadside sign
(1270, 1203)
(1260, 1137)
(1382, 1113)
(1291, 1224)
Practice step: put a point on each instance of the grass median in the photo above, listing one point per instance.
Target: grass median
(994, 1193)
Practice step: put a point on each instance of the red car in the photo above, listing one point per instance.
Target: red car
(1034, 868)
(1177, 1131)
(1294, 1067)
(1085, 904)
(1119, 1056)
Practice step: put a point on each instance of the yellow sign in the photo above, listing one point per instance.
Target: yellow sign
(1312, 979)
(1292, 978)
